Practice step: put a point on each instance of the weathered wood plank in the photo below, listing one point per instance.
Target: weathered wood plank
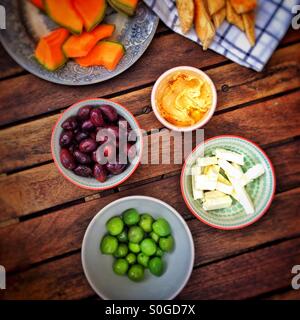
(28, 191)
(25, 96)
(245, 276)
(241, 277)
(242, 85)
(60, 232)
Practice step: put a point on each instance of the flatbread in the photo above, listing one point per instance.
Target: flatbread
(243, 6)
(219, 17)
(204, 26)
(249, 24)
(233, 17)
(215, 5)
(186, 12)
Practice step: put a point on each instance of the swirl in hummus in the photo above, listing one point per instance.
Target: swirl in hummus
(184, 98)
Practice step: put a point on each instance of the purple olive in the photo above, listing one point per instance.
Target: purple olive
(109, 113)
(108, 132)
(66, 138)
(67, 159)
(73, 147)
(84, 113)
(100, 172)
(70, 124)
(81, 136)
(82, 157)
(96, 117)
(87, 145)
(93, 136)
(106, 153)
(94, 156)
(115, 168)
(83, 171)
(87, 125)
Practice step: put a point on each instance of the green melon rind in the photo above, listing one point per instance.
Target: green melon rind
(115, 42)
(63, 25)
(121, 7)
(56, 68)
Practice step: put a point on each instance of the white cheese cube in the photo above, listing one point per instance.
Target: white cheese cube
(196, 170)
(224, 188)
(213, 172)
(207, 161)
(241, 195)
(230, 156)
(217, 203)
(197, 194)
(203, 182)
(213, 195)
(229, 169)
(254, 173)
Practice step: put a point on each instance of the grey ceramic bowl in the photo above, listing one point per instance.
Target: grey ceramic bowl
(91, 183)
(98, 267)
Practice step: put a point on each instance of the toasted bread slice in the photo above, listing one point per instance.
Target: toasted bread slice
(249, 24)
(243, 6)
(204, 26)
(215, 5)
(219, 17)
(233, 17)
(186, 12)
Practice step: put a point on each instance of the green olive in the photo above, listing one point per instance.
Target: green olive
(121, 251)
(134, 247)
(146, 222)
(136, 272)
(115, 226)
(131, 258)
(166, 244)
(108, 245)
(156, 266)
(154, 236)
(143, 259)
(148, 247)
(131, 217)
(135, 234)
(123, 236)
(161, 227)
(120, 267)
(159, 252)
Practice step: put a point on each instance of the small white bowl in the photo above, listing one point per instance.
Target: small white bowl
(98, 267)
(199, 124)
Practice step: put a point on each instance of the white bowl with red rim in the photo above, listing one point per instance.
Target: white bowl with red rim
(208, 114)
(90, 182)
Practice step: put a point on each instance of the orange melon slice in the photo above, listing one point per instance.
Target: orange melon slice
(106, 53)
(92, 12)
(63, 13)
(125, 6)
(80, 46)
(49, 49)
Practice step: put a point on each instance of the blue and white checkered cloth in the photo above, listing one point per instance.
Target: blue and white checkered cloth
(273, 19)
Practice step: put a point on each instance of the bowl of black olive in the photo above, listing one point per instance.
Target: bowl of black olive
(96, 144)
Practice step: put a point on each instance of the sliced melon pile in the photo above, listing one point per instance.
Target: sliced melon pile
(86, 44)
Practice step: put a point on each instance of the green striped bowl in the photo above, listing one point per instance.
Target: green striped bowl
(260, 190)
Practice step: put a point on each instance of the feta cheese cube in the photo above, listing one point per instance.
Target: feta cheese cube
(217, 203)
(230, 156)
(224, 188)
(196, 170)
(254, 173)
(229, 169)
(213, 172)
(207, 161)
(213, 194)
(197, 194)
(203, 182)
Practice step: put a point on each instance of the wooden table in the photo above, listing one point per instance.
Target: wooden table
(43, 217)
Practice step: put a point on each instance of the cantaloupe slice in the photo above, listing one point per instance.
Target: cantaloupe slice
(49, 49)
(92, 12)
(106, 53)
(80, 46)
(38, 3)
(125, 6)
(63, 13)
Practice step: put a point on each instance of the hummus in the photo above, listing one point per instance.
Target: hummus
(184, 98)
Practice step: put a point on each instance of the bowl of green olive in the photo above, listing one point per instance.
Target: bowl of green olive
(137, 248)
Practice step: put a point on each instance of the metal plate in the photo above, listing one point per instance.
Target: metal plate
(25, 24)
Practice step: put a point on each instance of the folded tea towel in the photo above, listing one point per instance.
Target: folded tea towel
(273, 18)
